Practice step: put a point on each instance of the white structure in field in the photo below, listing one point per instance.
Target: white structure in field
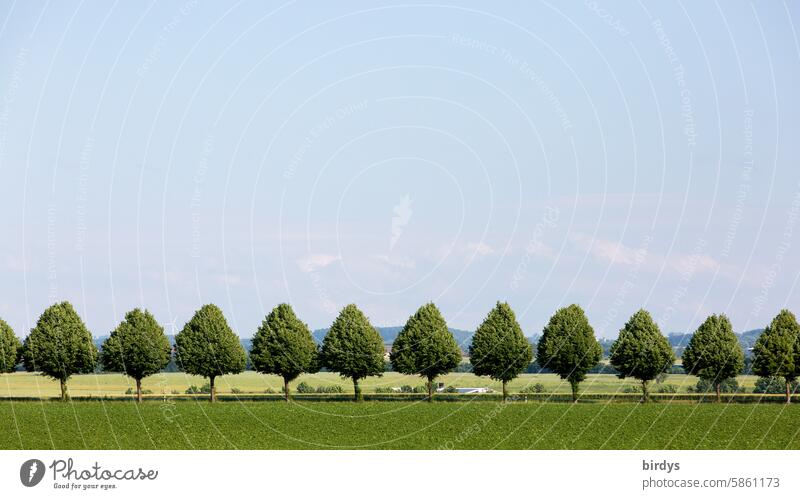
(473, 390)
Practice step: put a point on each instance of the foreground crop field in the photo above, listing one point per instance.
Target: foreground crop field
(395, 425)
(99, 385)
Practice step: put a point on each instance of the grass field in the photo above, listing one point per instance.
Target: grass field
(98, 385)
(395, 425)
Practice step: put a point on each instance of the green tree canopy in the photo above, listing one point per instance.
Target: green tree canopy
(714, 353)
(641, 351)
(283, 345)
(568, 346)
(207, 347)
(777, 350)
(60, 345)
(10, 348)
(353, 348)
(499, 349)
(425, 346)
(138, 348)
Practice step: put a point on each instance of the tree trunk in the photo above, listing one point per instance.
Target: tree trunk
(574, 385)
(286, 389)
(430, 389)
(64, 392)
(719, 398)
(357, 389)
(138, 390)
(505, 391)
(213, 390)
(645, 391)
(788, 393)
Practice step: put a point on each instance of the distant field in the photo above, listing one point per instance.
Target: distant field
(32, 385)
(395, 425)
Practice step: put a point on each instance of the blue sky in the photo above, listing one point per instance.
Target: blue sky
(615, 155)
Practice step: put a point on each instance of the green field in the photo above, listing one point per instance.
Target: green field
(395, 425)
(165, 423)
(99, 385)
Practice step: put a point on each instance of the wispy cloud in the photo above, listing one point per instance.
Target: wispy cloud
(613, 252)
(463, 251)
(395, 261)
(541, 249)
(14, 264)
(402, 214)
(479, 248)
(316, 261)
(617, 253)
(229, 279)
(695, 263)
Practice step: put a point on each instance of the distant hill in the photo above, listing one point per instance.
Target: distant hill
(747, 339)
(680, 340)
(246, 342)
(463, 338)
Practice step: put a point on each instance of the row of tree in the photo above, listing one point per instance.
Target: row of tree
(60, 345)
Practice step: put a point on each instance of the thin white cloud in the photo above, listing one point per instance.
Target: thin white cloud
(229, 279)
(684, 264)
(467, 251)
(480, 248)
(402, 214)
(688, 264)
(316, 261)
(538, 248)
(14, 264)
(605, 250)
(395, 261)
(621, 198)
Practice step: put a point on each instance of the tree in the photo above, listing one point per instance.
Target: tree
(727, 385)
(641, 351)
(568, 346)
(776, 352)
(353, 348)
(10, 348)
(714, 354)
(499, 349)
(773, 384)
(60, 346)
(138, 348)
(283, 345)
(207, 347)
(425, 347)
